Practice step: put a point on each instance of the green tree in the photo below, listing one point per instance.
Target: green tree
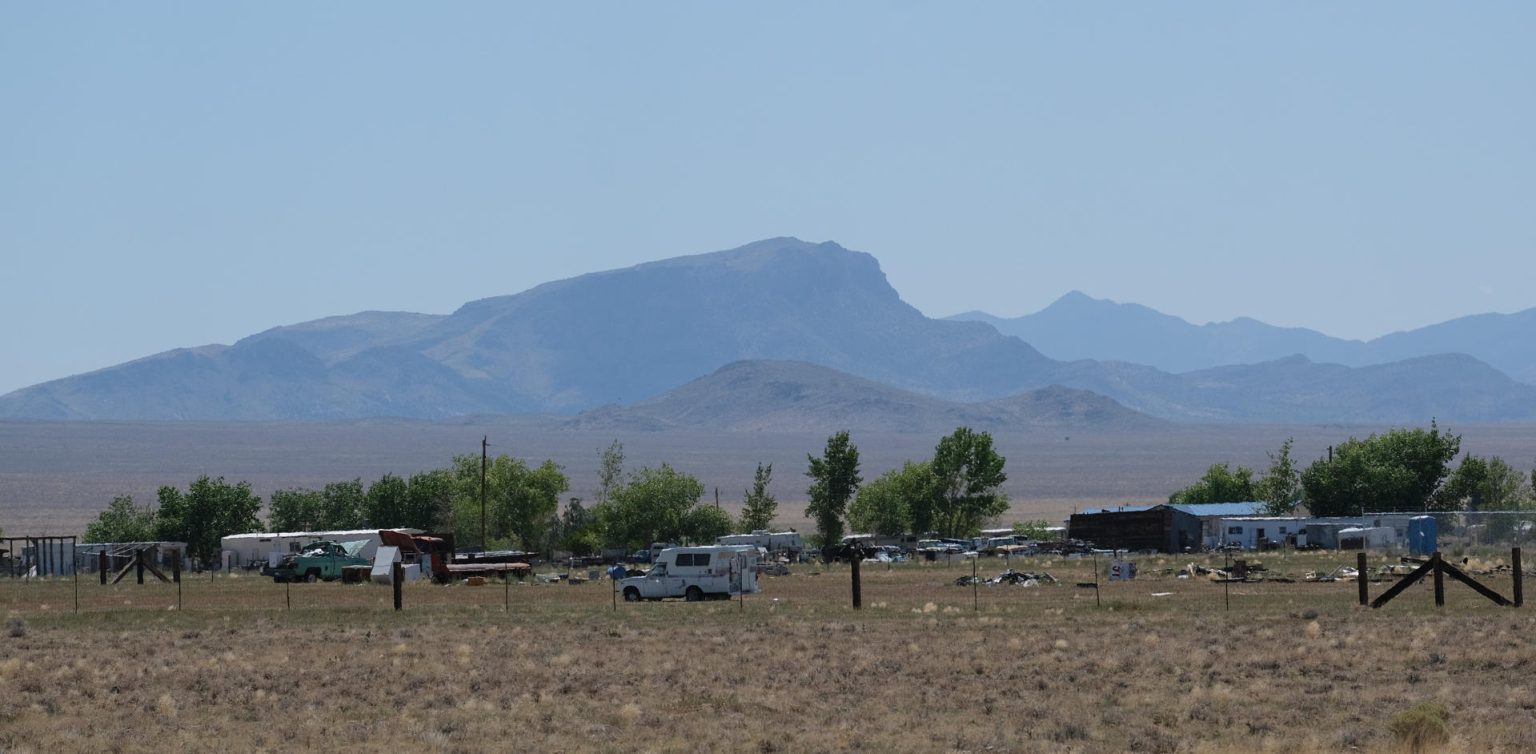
(968, 482)
(610, 471)
(122, 521)
(1280, 487)
(834, 479)
(654, 505)
(884, 506)
(580, 533)
(341, 505)
(387, 502)
(1484, 484)
(703, 524)
(1400, 470)
(1219, 484)
(519, 501)
(759, 507)
(296, 509)
(209, 510)
(429, 500)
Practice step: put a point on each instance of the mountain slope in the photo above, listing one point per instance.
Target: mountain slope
(798, 396)
(622, 336)
(1077, 326)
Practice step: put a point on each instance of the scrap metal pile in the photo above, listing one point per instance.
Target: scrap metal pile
(1016, 578)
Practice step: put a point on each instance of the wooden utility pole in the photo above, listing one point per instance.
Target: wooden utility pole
(485, 443)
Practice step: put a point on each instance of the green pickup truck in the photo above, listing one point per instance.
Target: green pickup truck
(322, 560)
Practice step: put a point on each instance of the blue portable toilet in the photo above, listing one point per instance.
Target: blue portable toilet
(1421, 535)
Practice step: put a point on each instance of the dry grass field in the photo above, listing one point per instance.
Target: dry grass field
(1159, 664)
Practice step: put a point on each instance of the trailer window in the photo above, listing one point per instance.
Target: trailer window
(1234, 530)
(693, 558)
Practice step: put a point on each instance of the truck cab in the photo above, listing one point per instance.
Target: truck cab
(322, 560)
(695, 573)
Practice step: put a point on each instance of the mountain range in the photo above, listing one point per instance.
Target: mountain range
(794, 396)
(1078, 326)
(618, 338)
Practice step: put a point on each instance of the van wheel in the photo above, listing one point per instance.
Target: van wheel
(312, 577)
(631, 594)
(694, 594)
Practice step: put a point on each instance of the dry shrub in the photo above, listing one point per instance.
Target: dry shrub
(1422, 727)
(16, 627)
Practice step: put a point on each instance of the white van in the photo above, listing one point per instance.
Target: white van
(696, 573)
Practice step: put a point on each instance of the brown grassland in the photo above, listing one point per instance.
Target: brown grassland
(926, 666)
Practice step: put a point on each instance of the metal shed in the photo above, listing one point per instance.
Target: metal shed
(1164, 528)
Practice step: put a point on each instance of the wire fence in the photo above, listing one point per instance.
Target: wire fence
(1215, 583)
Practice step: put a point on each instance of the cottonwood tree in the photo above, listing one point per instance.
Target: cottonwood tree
(386, 503)
(759, 507)
(519, 500)
(122, 521)
(295, 509)
(1400, 470)
(429, 500)
(884, 506)
(1219, 484)
(1484, 484)
(610, 471)
(968, 482)
(834, 480)
(1280, 487)
(209, 510)
(341, 505)
(655, 505)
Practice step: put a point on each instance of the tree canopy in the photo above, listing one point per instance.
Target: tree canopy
(1400, 470)
(834, 479)
(655, 505)
(519, 501)
(884, 506)
(122, 521)
(1219, 484)
(1280, 487)
(759, 506)
(968, 481)
(209, 510)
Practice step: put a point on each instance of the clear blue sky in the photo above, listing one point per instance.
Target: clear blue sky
(174, 174)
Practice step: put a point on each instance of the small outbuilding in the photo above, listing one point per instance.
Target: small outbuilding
(1164, 528)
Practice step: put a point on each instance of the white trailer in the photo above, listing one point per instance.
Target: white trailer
(769, 541)
(258, 548)
(696, 573)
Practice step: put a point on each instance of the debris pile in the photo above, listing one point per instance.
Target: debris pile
(1016, 578)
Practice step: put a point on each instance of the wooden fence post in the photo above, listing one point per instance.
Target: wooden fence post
(858, 596)
(138, 564)
(101, 565)
(1514, 557)
(1361, 576)
(1439, 581)
(398, 574)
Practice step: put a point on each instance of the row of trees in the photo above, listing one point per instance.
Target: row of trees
(954, 493)
(1398, 470)
(521, 508)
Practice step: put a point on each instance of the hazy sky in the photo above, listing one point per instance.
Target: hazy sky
(174, 174)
